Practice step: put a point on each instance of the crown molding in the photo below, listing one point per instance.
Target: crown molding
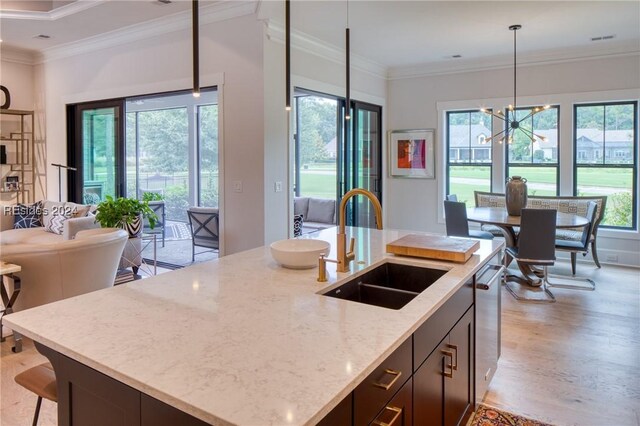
(55, 14)
(18, 56)
(309, 44)
(549, 57)
(219, 11)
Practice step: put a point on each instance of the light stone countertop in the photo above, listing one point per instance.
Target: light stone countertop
(241, 340)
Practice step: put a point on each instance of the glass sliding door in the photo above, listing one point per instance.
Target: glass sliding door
(97, 152)
(366, 164)
(316, 139)
(332, 156)
(172, 150)
(208, 155)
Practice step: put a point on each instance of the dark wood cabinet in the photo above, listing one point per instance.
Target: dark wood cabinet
(342, 415)
(381, 385)
(157, 413)
(88, 397)
(398, 411)
(458, 389)
(443, 385)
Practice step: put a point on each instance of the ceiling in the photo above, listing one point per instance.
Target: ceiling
(391, 34)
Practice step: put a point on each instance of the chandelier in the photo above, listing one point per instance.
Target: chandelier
(511, 123)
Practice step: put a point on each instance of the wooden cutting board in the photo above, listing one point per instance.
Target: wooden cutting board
(434, 247)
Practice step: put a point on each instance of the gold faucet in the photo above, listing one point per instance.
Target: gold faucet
(345, 257)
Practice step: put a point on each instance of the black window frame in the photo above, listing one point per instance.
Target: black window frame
(531, 164)
(604, 165)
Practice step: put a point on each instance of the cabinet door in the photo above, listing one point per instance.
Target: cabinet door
(458, 389)
(428, 388)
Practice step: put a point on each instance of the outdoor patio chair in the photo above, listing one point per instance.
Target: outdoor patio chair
(204, 227)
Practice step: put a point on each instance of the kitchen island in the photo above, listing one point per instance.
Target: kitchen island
(240, 340)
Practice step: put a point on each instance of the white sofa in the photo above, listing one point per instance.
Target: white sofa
(65, 268)
(318, 213)
(80, 221)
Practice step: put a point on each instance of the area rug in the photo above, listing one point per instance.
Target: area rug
(488, 416)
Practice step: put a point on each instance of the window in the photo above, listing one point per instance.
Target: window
(607, 135)
(469, 160)
(535, 159)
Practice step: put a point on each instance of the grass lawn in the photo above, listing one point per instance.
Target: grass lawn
(318, 185)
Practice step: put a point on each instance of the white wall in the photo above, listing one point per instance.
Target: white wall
(230, 57)
(416, 103)
(22, 78)
(17, 76)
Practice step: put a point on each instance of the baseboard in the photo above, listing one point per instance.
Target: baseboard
(607, 257)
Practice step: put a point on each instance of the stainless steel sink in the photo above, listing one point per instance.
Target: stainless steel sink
(390, 285)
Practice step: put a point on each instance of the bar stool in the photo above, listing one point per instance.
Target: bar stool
(40, 380)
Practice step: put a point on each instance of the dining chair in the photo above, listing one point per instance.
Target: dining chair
(204, 225)
(457, 224)
(536, 247)
(40, 380)
(575, 247)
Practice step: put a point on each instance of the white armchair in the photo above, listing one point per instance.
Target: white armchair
(56, 271)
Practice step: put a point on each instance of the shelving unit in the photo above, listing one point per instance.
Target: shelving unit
(17, 136)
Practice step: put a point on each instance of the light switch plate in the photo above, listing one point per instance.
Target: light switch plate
(277, 186)
(237, 186)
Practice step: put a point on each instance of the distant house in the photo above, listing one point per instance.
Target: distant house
(592, 144)
(467, 143)
(331, 148)
(615, 145)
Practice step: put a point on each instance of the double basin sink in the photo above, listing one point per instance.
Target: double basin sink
(390, 285)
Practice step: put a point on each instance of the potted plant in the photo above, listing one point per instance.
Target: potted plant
(156, 203)
(125, 213)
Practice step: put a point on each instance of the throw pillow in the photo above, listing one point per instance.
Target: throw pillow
(321, 210)
(297, 225)
(27, 216)
(56, 222)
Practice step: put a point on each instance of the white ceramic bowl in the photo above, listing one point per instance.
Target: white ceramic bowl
(299, 254)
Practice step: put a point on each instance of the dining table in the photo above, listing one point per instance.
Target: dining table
(499, 217)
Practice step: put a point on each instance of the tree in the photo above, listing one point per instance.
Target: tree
(317, 127)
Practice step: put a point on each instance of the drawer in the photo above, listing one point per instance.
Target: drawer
(398, 411)
(379, 387)
(431, 333)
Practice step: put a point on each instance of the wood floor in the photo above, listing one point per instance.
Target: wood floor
(574, 362)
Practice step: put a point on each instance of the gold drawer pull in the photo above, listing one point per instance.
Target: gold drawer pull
(388, 386)
(455, 348)
(397, 412)
(450, 366)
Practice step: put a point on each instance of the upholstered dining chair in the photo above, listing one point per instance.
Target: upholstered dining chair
(205, 231)
(457, 224)
(575, 247)
(536, 247)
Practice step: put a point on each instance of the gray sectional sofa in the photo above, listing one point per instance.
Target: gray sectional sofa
(318, 213)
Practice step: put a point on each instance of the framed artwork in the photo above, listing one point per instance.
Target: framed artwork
(12, 183)
(412, 153)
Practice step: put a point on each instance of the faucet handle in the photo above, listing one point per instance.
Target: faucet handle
(351, 253)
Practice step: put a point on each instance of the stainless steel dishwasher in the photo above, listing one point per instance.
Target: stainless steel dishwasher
(488, 312)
